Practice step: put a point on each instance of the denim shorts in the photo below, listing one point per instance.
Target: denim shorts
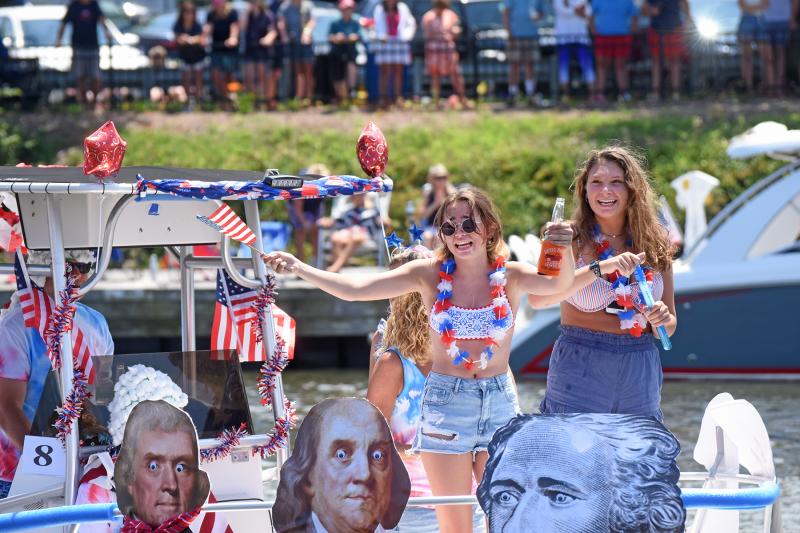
(752, 28)
(597, 372)
(461, 415)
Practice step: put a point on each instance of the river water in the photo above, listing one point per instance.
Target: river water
(683, 404)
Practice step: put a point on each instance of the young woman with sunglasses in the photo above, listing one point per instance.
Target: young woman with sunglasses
(606, 360)
(473, 295)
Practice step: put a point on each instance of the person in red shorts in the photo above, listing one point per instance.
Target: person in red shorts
(441, 29)
(667, 40)
(613, 23)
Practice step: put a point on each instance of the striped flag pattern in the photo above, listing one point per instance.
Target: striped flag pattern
(227, 222)
(37, 308)
(233, 327)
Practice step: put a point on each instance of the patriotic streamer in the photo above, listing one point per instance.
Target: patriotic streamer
(280, 432)
(265, 296)
(229, 439)
(62, 316)
(73, 405)
(269, 372)
(327, 186)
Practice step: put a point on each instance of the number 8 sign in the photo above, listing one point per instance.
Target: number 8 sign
(43, 456)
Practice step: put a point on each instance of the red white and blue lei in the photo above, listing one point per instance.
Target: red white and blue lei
(500, 308)
(629, 318)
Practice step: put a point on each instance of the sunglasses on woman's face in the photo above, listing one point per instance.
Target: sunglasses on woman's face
(468, 225)
(83, 268)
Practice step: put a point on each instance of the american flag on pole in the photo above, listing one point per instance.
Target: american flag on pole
(37, 308)
(233, 327)
(227, 222)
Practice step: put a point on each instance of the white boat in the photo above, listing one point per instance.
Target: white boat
(733, 287)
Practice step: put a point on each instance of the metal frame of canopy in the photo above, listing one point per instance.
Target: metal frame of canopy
(56, 182)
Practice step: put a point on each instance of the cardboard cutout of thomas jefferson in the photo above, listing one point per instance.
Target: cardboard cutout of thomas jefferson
(344, 475)
(582, 473)
(157, 476)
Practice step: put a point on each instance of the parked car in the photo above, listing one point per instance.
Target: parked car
(30, 32)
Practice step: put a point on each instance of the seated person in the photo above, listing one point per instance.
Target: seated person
(436, 190)
(351, 230)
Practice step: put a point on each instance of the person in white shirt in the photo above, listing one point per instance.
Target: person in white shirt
(394, 30)
(571, 29)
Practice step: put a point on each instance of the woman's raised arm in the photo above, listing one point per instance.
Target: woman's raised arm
(361, 287)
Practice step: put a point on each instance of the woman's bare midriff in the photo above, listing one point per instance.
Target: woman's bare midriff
(597, 321)
(498, 364)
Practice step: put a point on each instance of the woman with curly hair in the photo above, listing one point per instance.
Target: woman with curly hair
(606, 360)
(473, 294)
(583, 473)
(396, 384)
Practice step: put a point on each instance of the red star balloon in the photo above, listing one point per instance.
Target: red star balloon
(372, 151)
(103, 151)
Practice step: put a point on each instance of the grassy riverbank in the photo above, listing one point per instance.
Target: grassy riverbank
(523, 159)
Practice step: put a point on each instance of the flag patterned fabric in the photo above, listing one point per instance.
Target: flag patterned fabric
(234, 328)
(324, 187)
(10, 232)
(231, 225)
(37, 308)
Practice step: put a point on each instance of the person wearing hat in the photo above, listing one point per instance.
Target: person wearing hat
(434, 193)
(24, 364)
(344, 34)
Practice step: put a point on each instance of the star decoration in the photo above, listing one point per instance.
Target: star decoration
(103, 151)
(414, 233)
(394, 241)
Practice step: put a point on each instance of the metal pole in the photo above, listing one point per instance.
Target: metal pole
(58, 277)
(254, 221)
(188, 341)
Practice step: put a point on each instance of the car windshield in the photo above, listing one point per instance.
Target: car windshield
(43, 32)
(484, 15)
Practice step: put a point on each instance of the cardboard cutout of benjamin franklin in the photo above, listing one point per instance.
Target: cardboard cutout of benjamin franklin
(344, 474)
(157, 475)
(582, 473)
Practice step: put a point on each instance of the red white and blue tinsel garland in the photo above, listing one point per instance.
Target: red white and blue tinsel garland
(61, 318)
(279, 436)
(73, 404)
(629, 318)
(270, 370)
(229, 439)
(265, 296)
(60, 323)
(500, 308)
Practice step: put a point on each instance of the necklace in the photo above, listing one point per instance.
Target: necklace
(629, 318)
(500, 308)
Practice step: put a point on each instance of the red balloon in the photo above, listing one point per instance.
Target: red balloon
(103, 151)
(372, 150)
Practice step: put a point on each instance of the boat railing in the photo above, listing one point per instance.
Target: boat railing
(736, 203)
(764, 495)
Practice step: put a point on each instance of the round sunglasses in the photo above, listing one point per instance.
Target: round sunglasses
(468, 225)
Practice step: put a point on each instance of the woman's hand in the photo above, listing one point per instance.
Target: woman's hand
(625, 263)
(558, 233)
(282, 262)
(658, 315)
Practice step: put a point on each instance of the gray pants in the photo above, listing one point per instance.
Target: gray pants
(596, 372)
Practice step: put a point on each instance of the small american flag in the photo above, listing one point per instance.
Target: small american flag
(37, 308)
(233, 327)
(227, 222)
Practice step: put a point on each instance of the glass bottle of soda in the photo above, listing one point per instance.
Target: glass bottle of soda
(551, 254)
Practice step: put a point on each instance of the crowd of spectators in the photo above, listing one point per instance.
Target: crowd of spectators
(595, 41)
